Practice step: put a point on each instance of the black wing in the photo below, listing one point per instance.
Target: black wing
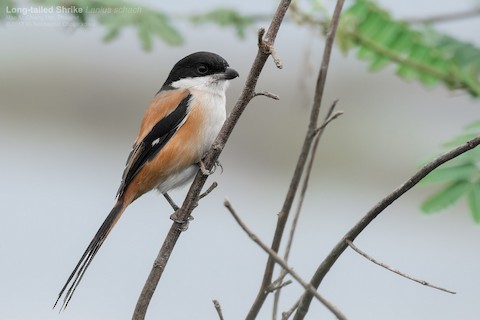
(153, 142)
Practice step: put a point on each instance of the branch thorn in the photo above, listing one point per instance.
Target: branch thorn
(210, 189)
(267, 94)
(273, 286)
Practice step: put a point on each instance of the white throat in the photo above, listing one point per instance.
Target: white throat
(210, 84)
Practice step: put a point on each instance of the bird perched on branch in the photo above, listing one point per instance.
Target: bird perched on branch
(178, 128)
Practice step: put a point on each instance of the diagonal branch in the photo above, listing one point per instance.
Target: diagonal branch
(193, 194)
(302, 159)
(283, 264)
(340, 247)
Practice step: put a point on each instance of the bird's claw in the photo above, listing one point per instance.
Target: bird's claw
(206, 172)
(183, 224)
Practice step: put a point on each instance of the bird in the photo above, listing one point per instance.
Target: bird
(179, 126)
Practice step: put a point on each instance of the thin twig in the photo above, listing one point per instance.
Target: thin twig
(447, 17)
(319, 132)
(278, 286)
(209, 160)
(207, 192)
(218, 307)
(340, 247)
(333, 117)
(279, 279)
(283, 264)
(276, 58)
(302, 159)
(289, 312)
(268, 48)
(267, 94)
(383, 265)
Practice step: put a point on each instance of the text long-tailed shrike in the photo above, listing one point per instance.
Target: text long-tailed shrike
(178, 128)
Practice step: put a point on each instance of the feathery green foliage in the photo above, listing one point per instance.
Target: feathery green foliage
(117, 15)
(459, 177)
(4, 4)
(225, 17)
(423, 55)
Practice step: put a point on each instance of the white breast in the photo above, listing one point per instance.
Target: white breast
(210, 96)
(213, 106)
(209, 93)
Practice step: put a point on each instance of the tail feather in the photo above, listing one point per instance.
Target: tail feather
(87, 257)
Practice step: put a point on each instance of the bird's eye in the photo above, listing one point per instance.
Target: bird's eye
(202, 69)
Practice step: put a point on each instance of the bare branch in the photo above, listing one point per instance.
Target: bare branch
(302, 159)
(209, 160)
(340, 247)
(383, 265)
(283, 264)
(218, 307)
(319, 132)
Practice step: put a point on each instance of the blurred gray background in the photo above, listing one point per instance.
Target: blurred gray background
(70, 107)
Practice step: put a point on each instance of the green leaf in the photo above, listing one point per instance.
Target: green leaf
(113, 24)
(446, 197)
(407, 73)
(426, 56)
(461, 174)
(472, 156)
(160, 24)
(112, 33)
(145, 37)
(451, 173)
(474, 201)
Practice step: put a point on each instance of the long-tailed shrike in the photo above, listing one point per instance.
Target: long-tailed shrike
(178, 128)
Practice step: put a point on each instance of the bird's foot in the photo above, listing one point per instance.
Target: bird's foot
(183, 224)
(206, 172)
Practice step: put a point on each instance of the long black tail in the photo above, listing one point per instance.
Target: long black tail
(87, 257)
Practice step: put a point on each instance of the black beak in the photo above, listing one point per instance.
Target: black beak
(230, 74)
